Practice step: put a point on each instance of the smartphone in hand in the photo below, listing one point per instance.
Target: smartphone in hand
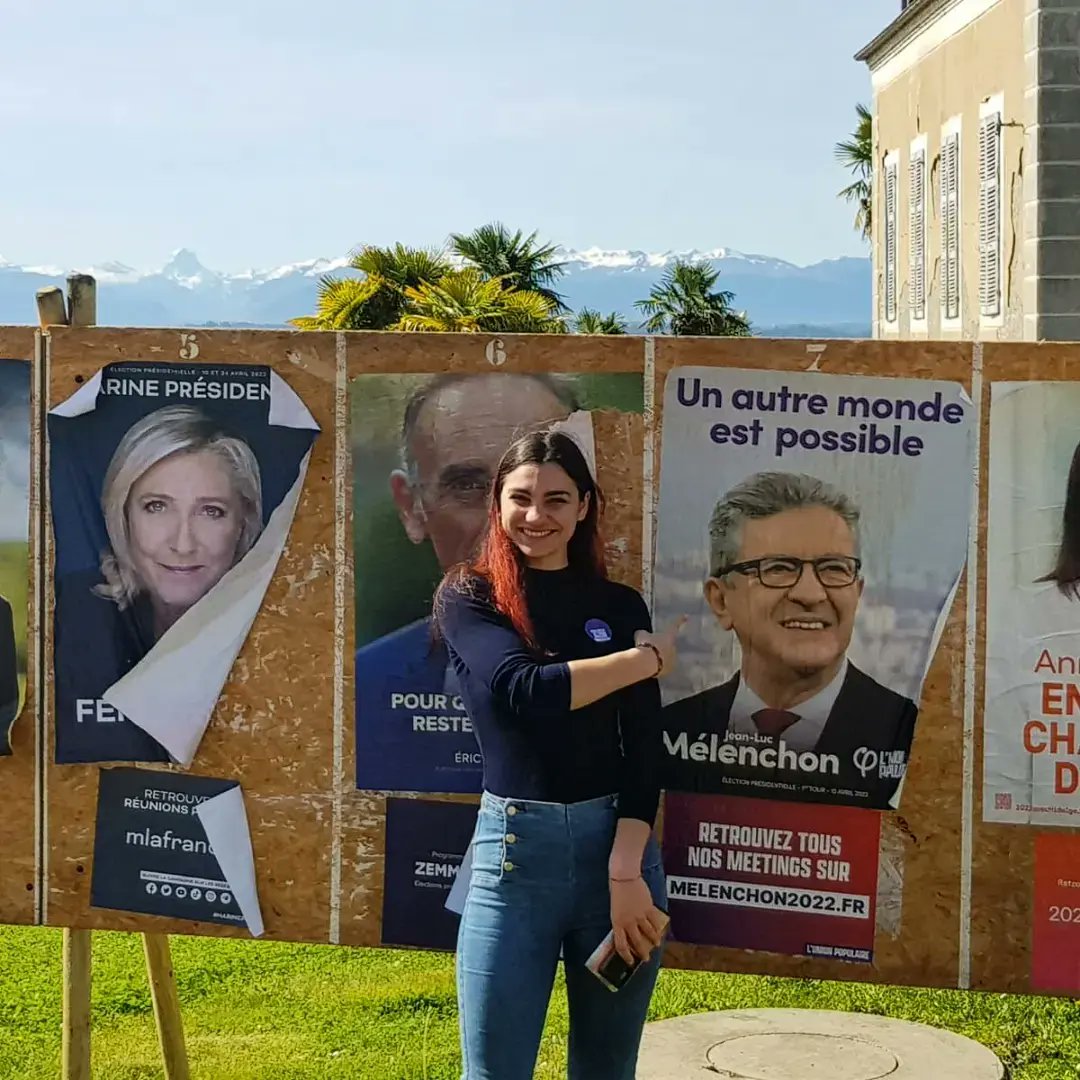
(609, 967)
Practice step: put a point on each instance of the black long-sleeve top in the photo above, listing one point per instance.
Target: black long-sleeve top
(534, 746)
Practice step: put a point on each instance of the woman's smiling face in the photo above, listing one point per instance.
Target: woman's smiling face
(539, 508)
(184, 523)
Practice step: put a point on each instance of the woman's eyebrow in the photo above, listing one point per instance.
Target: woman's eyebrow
(544, 494)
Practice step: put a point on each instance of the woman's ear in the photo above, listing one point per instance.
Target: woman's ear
(584, 508)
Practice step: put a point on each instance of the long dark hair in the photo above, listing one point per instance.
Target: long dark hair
(1066, 570)
(499, 562)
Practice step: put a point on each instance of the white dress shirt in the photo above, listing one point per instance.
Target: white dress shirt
(812, 713)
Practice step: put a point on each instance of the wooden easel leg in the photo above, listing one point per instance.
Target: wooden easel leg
(170, 1025)
(76, 1036)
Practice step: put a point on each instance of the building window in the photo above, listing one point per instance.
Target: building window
(891, 178)
(917, 229)
(990, 209)
(950, 223)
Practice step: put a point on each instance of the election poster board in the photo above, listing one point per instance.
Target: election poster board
(173, 489)
(14, 540)
(1031, 752)
(174, 844)
(426, 842)
(959, 900)
(273, 734)
(394, 570)
(774, 877)
(814, 528)
(425, 450)
(19, 580)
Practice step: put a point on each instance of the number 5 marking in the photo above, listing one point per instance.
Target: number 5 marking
(189, 348)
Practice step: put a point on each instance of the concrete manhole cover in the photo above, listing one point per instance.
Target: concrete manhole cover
(799, 1056)
(808, 1044)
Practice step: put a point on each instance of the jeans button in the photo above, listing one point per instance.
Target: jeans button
(511, 810)
(508, 865)
(511, 838)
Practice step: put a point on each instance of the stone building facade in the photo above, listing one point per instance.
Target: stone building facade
(976, 184)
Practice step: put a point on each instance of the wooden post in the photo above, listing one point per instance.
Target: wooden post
(82, 300)
(75, 1038)
(75, 1044)
(170, 1025)
(51, 309)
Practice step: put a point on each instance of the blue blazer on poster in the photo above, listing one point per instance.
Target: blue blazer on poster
(412, 732)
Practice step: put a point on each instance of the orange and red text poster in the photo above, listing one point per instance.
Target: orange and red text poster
(771, 876)
(1031, 758)
(1055, 939)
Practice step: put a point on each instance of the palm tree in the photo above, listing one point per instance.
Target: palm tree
(377, 300)
(857, 155)
(683, 302)
(518, 260)
(592, 322)
(466, 301)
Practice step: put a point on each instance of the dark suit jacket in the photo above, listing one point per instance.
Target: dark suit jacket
(95, 645)
(9, 675)
(869, 731)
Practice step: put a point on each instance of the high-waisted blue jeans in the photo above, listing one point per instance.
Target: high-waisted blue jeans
(539, 883)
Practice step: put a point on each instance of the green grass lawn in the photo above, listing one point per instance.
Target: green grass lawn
(256, 1011)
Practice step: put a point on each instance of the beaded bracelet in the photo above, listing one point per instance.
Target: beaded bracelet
(656, 653)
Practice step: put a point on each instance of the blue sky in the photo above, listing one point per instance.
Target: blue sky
(260, 133)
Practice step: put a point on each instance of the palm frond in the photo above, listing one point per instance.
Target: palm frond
(468, 301)
(856, 154)
(520, 260)
(684, 302)
(367, 303)
(400, 264)
(589, 321)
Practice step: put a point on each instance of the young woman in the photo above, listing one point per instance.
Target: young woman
(557, 667)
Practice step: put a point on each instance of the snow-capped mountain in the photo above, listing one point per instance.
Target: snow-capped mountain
(829, 298)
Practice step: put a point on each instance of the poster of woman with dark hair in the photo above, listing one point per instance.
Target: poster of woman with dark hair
(1031, 758)
(173, 489)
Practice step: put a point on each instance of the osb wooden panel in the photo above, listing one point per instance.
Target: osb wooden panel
(273, 728)
(618, 442)
(1003, 869)
(926, 951)
(18, 879)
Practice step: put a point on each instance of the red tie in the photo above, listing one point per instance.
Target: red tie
(774, 721)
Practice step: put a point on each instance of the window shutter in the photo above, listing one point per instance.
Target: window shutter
(890, 241)
(917, 231)
(950, 227)
(990, 215)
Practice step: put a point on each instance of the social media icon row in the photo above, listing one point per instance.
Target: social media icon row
(182, 892)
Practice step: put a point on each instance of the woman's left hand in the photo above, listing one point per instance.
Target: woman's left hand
(637, 922)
